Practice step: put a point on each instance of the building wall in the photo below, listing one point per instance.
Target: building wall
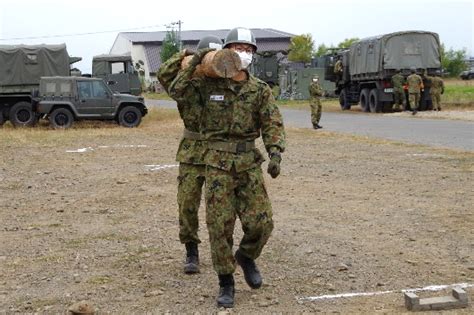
(121, 46)
(138, 53)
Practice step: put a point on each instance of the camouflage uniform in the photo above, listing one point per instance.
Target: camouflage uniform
(415, 84)
(437, 88)
(398, 80)
(235, 113)
(315, 91)
(190, 156)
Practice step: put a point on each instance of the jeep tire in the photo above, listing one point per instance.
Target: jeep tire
(22, 115)
(129, 116)
(61, 118)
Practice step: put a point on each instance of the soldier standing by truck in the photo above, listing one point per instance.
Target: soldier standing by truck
(315, 92)
(437, 88)
(190, 156)
(415, 85)
(398, 80)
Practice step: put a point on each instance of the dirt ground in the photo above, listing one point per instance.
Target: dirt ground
(91, 214)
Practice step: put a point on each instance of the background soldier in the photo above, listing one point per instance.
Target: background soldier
(437, 88)
(236, 112)
(398, 80)
(338, 68)
(415, 85)
(315, 92)
(190, 156)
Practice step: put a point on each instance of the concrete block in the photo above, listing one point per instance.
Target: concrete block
(459, 299)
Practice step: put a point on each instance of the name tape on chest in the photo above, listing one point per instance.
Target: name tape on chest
(218, 98)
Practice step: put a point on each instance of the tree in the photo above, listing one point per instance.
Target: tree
(453, 61)
(346, 43)
(170, 45)
(321, 50)
(301, 48)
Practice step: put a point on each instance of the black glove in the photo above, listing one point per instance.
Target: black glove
(274, 164)
(198, 55)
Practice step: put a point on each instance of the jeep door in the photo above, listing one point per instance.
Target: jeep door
(95, 99)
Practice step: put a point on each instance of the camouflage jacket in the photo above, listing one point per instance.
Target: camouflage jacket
(437, 85)
(415, 83)
(190, 150)
(232, 112)
(398, 81)
(315, 90)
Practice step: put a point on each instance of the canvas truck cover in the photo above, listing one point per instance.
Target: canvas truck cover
(25, 65)
(401, 50)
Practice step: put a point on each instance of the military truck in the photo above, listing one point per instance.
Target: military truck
(118, 72)
(63, 100)
(369, 64)
(266, 67)
(21, 68)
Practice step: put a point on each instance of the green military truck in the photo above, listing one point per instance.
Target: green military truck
(118, 72)
(369, 64)
(22, 70)
(63, 100)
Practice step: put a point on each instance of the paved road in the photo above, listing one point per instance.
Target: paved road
(452, 134)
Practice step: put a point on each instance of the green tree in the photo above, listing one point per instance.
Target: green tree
(453, 61)
(301, 48)
(170, 45)
(321, 50)
(346, 43)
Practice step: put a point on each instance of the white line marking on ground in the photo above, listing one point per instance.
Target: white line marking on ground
(159, 167)
(355, 294)
(82, 150)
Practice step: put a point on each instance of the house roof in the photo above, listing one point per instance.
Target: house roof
(196, 35)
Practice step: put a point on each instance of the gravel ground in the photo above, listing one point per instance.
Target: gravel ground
(91, 214)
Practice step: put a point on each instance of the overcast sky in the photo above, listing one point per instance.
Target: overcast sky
(329, 22)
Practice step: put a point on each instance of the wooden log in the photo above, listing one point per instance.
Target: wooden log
(223, 63)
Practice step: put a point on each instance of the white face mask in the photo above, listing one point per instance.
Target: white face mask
(245, 58)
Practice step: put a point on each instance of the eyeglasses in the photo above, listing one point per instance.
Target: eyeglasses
(241, 48)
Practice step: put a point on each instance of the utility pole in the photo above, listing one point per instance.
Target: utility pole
(179, 33)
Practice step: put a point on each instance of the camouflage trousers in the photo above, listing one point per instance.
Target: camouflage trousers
(315, 104)
(414, 100)
(399, 98)
(190, 182)
(232, 194)
(436, 99)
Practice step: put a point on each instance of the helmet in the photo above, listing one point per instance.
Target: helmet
(315, 77)
(210, 42)
(240, 35)
(413, 69)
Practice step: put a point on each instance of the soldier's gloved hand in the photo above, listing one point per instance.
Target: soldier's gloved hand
(274, 164)
(198, 55)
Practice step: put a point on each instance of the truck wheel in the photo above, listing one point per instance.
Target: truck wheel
(2, 119)
(342, 100)
(61, 118)
(21, 115)
(374, 104)
(130, 116)
(364, 100)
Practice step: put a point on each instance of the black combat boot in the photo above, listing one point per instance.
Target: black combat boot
(191, 264)
(226, 291)
(251, 272)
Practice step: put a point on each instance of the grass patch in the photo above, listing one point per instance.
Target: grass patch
(157, 96)
(99, 280)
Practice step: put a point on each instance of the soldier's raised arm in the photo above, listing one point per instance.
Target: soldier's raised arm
(170, 68)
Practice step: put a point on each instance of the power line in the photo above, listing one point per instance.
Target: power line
(81, 34)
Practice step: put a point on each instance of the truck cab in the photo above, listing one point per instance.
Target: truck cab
(118, 72)
(65, 99)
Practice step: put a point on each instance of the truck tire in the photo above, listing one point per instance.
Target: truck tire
(22, 115)
(374, 104)
(364, 100)
(61, 118)
(129, 116)
(342, 100)
(2, 119)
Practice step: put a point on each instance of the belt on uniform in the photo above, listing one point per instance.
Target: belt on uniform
(233, 147)
(192, 135)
